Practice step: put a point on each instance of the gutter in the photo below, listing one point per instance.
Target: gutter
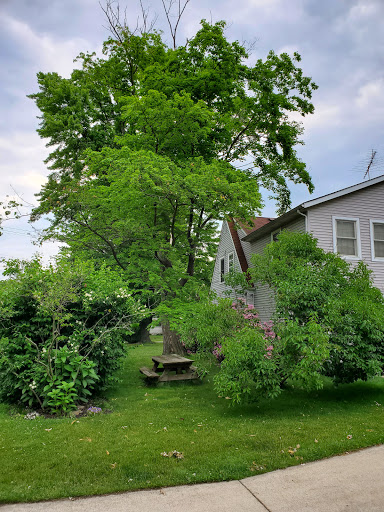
(306, 219)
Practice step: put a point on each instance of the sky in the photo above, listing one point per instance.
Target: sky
(341, 43)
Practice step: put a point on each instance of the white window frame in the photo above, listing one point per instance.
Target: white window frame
(233, 261)
(371, 223)
(358, 239)
(222, 274)
(249, 298)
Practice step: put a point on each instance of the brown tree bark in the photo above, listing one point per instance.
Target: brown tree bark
(171, 341)
(142, 335)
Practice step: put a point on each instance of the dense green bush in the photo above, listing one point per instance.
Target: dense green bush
(306, 281)
(329, 321)
(256, 357)
(62, 331)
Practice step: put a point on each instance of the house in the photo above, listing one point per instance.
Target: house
(349, 222)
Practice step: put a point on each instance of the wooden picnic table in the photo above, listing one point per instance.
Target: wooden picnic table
(170, 367)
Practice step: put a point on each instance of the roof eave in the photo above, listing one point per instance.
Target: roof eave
(274, 224)
(343, 192)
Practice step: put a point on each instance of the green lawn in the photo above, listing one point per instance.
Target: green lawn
(53, 458)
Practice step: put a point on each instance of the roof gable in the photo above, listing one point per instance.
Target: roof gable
(343, 192)
(298, 210)
(257, 222)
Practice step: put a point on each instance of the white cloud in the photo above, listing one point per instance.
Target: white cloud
(371, 95)
(47, 53)
(325, 116)
(364, 9)
(32, 180)
(21, 167)
(361, 19)
(290, 49)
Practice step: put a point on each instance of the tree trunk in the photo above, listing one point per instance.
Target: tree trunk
(171, 341)
(142, 335)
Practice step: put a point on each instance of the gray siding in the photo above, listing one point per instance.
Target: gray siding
(264, 300)
(226, 246)
(365, 205)
(297, 225)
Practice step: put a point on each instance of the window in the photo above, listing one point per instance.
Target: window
(377, 239)
(346, 237)
(230, 262)
(275, 235)
(222, 269)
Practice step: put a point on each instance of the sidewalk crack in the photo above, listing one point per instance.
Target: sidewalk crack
(254, 495)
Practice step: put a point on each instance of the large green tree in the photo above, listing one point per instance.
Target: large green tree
(148, 149)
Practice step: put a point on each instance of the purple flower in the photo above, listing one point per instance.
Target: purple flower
(94, 410)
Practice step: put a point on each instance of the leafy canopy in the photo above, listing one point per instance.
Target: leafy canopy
(147, 142)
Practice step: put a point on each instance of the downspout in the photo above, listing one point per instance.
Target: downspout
(306, 219)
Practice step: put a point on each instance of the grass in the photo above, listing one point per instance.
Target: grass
(53, 458)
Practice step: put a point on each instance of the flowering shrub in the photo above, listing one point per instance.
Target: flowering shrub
(209, 323)
(255, 357)
(62, 331)
(253, 367)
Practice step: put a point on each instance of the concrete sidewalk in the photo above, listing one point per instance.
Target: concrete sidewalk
(347, 483)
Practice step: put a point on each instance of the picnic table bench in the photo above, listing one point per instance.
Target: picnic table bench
(170, 367)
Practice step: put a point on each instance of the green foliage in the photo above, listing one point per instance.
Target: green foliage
(147, 142)
(203, 324)
(307, 281)
(301, 351)
(247, 374)
(257, 357)
(218, 443)
(62, 398)
(61, 325)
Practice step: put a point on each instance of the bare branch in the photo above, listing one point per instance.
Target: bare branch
(113, 17)
(180, 11)
(117, 21)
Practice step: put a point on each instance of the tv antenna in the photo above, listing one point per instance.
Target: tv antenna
(371, 160)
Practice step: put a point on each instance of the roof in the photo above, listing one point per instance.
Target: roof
(301, 208)
(343, 192)
(257, 222)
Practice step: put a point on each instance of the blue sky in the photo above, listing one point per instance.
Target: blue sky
(342, 47)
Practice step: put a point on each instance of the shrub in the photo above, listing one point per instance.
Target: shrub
(62, 331)
(256, 357)
(306, 281)
(208, 324)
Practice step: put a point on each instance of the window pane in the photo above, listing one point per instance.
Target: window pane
(346, 246)
(230, 262)
(378, 231)
(222, 270)
(379, 249)
(346, 228)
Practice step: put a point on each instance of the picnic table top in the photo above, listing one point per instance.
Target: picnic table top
(171, 359)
